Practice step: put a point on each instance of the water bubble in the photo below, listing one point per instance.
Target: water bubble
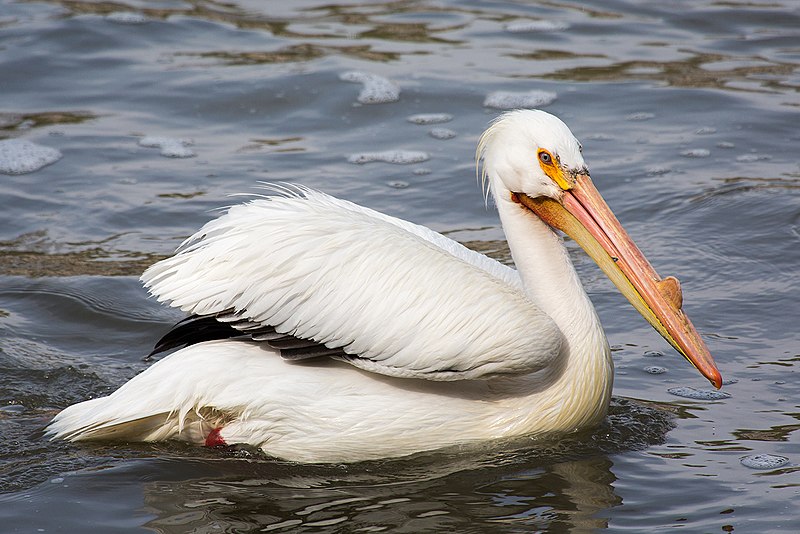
(526, 26)
(512, 100)
(430, 118)
(698, 394)
(422, 171)
(398, 184)
(729, 381)
(655, 370)
(171, 147)
(653, 354)
(154, 141)
(398, 157)
(696, 153)
(763, 461)
(18, 156)
(750, 158)
(376, 89)
(177, 151)
(126, 17)
(725, 144)
(707, 130)
(658, 170)
(442, 133)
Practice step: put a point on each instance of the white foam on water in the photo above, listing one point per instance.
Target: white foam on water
(527, 26)
(157, 141)
(658, 170)
(442, 133)
(698, 394)
(763, 461)
(18, 156)
(376, 89)
(177, 151)
(514, 100)
(750, 158)
(430, 118)
(127, 17)
(171, 147)
(706, 130)
(398, 157)
(696, 153)
(655, 370)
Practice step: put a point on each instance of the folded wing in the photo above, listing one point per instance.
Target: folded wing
(382, 294)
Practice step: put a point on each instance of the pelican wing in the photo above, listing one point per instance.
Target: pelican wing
(395, 298)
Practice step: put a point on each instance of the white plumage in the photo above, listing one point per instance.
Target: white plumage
(439, 345)
(328, 270)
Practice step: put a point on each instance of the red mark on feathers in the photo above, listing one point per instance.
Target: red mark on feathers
(214, 439)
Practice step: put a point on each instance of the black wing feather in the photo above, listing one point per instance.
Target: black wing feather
(191, 330)
(226, 325)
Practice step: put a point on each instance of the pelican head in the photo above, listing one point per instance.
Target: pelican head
(532, 157)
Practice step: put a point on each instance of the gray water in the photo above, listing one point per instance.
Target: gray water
(688, 113)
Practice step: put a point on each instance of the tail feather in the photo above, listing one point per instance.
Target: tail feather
(78, 425)
(95, 420)
(167, 401)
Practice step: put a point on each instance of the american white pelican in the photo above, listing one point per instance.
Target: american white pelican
(363, 336)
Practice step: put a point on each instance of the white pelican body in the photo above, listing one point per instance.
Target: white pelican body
(425, 343)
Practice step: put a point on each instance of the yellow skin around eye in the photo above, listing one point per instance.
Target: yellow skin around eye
(553, 170)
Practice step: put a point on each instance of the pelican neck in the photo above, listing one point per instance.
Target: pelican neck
(547, 273)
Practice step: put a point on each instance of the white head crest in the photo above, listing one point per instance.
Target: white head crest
(509, 149)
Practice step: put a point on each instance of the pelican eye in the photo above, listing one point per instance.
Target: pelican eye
(551, 166)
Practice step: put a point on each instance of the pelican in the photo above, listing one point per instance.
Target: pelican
(323, 331)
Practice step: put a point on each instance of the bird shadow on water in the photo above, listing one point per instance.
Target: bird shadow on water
(554, 483)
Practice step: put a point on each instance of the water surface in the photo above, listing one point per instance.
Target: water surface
(688, 115)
